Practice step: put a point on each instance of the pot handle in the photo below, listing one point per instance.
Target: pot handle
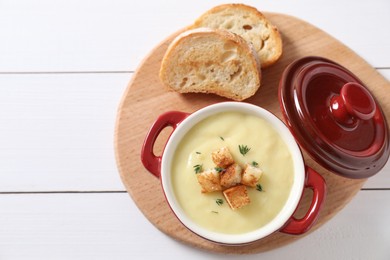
(315, 182)
(151, 161)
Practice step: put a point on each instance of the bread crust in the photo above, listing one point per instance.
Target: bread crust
(231, 176)
(222, 157)
(273, 42)
(209, 180)
(237, 197)
(251, 175)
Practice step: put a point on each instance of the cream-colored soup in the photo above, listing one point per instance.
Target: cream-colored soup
(267, 148)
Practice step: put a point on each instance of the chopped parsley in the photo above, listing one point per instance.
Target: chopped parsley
(222, 138)
(254, 164)
(219, 169)
(198, 152)
(219, 202)
(243, 149)
(198, 168)
(259, 188)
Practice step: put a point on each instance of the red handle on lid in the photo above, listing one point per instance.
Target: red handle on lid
(315, 182)
(354, 102)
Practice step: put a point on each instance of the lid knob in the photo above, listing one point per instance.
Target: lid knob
(354, 102)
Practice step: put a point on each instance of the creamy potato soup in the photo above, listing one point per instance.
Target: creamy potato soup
(231, 129)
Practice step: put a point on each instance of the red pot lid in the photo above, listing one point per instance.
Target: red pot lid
(334, 117)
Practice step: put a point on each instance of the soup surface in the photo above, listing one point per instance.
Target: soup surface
(231, 129)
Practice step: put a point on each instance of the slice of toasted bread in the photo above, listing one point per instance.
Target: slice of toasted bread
(237, 196)
(211, 61)
(249, 23)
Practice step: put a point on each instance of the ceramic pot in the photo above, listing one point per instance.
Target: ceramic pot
(303, 176)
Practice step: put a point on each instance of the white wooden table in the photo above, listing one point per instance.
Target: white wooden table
(64, 66)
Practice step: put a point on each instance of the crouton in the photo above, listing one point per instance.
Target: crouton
(237, 196)
(251, 175)
(232, 176)
(222, 157)
(209, 180)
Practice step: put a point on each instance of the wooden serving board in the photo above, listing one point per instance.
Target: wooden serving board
(145, 99)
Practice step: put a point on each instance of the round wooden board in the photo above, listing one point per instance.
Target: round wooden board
(145, 99)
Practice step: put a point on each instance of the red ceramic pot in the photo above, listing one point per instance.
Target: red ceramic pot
(303, 176)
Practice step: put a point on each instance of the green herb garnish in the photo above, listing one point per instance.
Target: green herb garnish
(222, 138)
(219, 202)
(198, 152)
(243, 149)
(255, 164)
(219, 169)
(198, 168)
(259, 188)
(216, 212)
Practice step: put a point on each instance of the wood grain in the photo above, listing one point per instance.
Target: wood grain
(145, 98)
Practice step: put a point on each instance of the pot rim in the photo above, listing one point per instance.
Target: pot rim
(296, 190)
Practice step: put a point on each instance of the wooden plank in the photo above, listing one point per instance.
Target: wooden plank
(385, 73)
(56, 131)
(109, 226)
(115, 35)
(382, 178)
